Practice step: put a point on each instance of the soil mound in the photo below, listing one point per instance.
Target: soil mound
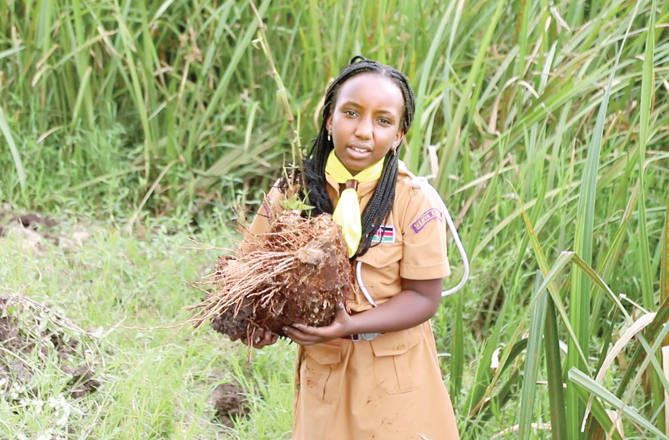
(229, 401)
(295, 273)
(38, 233)
(34, 337)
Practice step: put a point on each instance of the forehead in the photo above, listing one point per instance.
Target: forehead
(372, 90)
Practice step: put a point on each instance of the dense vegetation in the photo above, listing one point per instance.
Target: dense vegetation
(550, 122)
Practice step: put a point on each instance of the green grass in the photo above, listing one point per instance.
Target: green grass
(155, 384)
(550, 120)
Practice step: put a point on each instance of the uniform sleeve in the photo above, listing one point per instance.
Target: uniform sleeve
(270, 207)
(424, 255)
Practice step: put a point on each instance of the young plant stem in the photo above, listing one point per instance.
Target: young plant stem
(282, 96)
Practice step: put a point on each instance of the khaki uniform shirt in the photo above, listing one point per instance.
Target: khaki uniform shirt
(389, 388)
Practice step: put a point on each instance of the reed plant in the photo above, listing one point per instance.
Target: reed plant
(550, 122)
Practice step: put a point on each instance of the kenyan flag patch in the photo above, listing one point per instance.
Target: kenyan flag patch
(385, 234)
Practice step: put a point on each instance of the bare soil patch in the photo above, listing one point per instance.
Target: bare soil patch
(37, 231)
(229, 401)
(32, 337)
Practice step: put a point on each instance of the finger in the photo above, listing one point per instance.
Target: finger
(259, 342)
(300, 337)
(315, 331)
(266, 340)
(256, 337)
(269, 338)
(294, 333)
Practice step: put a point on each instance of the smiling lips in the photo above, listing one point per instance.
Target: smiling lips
(359, 151)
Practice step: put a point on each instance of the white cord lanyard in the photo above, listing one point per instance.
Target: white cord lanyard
(421, 182)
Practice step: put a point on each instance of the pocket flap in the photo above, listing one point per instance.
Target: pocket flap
(396, 343)
(381, 255)
(324, 354)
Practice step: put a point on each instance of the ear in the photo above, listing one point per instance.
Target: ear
(399, 137)
(328, 124)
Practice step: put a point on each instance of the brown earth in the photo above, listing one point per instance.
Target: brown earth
(36, 231)
(31, 334)
(229, 401)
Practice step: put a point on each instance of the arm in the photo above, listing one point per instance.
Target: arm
(417, 303)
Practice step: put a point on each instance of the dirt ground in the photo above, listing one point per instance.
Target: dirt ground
(32, 337)
(36, 337)
(229, 401)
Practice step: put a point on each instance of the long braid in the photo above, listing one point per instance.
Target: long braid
(379, 207)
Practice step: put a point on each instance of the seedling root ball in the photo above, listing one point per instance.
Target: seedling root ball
(297, 272)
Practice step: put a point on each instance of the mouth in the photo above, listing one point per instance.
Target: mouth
(359, 151)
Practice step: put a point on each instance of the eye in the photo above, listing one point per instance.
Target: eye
(384, 121)
(349, 112)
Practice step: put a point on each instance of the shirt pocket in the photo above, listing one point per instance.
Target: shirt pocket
(397, 360)
(322, 372)
(382, 255)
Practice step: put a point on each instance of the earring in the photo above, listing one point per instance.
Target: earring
(329, 137)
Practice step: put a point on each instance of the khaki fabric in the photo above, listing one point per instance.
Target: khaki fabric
(389, 388)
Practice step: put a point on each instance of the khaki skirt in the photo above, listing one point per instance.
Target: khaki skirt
(389, 388)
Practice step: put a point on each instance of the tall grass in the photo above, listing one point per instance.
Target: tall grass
(550, 120)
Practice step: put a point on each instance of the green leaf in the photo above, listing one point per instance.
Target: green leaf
(4, 128)
(538, 318)
(296, 203)
(579, 297)
(554, 375)
(580, 379)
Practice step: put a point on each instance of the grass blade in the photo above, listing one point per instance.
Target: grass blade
(581, 380)
(601, 415)
(222, 86)
(579, 312)
(549, 280)
(7, 133)
(538, 318)
(415, 147)
(647, 88)
(449, 147)
(554, 374)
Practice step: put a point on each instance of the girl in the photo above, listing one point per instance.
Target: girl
(373, 373)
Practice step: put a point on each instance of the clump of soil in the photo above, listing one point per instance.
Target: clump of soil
(229, 401)
(32, 336)
(34, 221)
(83, 382)
(36, 232)
(297, 272)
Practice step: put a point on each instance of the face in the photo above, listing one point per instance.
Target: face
(365, 123)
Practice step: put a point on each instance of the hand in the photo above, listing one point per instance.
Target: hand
(306, 335)
(260, 338)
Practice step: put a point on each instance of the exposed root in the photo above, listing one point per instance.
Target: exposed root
(295, 273)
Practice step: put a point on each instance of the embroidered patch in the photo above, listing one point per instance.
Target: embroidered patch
(425, 218)
(385, 234)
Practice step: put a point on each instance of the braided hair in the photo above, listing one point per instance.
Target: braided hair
(378, 209)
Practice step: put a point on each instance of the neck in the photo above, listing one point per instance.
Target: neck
(352, 171)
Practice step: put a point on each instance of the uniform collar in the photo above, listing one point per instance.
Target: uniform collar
(364, 188)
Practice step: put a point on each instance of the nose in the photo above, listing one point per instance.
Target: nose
(364, 128)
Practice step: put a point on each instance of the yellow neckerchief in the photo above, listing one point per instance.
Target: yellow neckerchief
(347, 213)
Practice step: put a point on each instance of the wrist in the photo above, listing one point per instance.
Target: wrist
(356, 325)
